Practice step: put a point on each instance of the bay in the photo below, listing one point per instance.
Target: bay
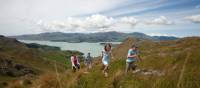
(84, 47)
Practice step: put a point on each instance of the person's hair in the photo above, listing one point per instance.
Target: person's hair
(106, 46)
(88, 53)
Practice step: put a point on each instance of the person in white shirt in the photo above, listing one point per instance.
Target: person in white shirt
(75, 63)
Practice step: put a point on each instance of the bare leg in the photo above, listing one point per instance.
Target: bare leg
(105, 70)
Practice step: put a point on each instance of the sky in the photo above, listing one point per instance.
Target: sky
(179, 18)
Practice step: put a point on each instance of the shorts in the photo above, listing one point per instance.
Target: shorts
(76, 67)
(130, 65)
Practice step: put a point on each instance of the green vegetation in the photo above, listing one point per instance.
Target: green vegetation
(19, 61)
(177, 61)
(62, 57)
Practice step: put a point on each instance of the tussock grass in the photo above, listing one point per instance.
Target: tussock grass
(181, 70)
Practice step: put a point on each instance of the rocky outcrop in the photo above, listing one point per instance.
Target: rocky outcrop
(10, 68)
(149, 72)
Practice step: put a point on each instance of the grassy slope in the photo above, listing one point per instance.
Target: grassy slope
(18, 52)
(179, 60)
(39, 60)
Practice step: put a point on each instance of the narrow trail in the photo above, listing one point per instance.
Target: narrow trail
(182, 71)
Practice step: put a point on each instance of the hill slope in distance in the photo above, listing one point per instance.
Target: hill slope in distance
(112, 36)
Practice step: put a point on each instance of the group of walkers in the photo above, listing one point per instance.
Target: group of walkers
(76, 64)
(132, 58)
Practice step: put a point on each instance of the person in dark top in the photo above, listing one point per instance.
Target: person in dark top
(88, 61)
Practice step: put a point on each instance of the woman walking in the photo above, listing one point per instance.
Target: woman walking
(106, 55)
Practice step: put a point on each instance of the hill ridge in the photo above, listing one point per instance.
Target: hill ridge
(112, 36)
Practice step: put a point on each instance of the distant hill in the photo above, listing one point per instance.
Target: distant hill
(91, 37)
(165, 37)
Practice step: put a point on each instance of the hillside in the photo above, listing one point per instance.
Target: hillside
(91, 37)
(19, 61)
(166, 64)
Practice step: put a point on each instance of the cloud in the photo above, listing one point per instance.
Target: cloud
(98, 21)
(160, 34)
(194, 18)
(94, 23)
(128, 20)
(197, 7)
(162, 20)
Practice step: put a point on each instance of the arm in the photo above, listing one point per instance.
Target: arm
(132, 56)
(135, 56)
(72, 61)
(101, 54)
(111, 55)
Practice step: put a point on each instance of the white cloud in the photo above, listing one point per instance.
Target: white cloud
(94, 23)
(194, 18)
(129, 20)
(98, 21)
(162, 20)
(160, 34)
(197, 7)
